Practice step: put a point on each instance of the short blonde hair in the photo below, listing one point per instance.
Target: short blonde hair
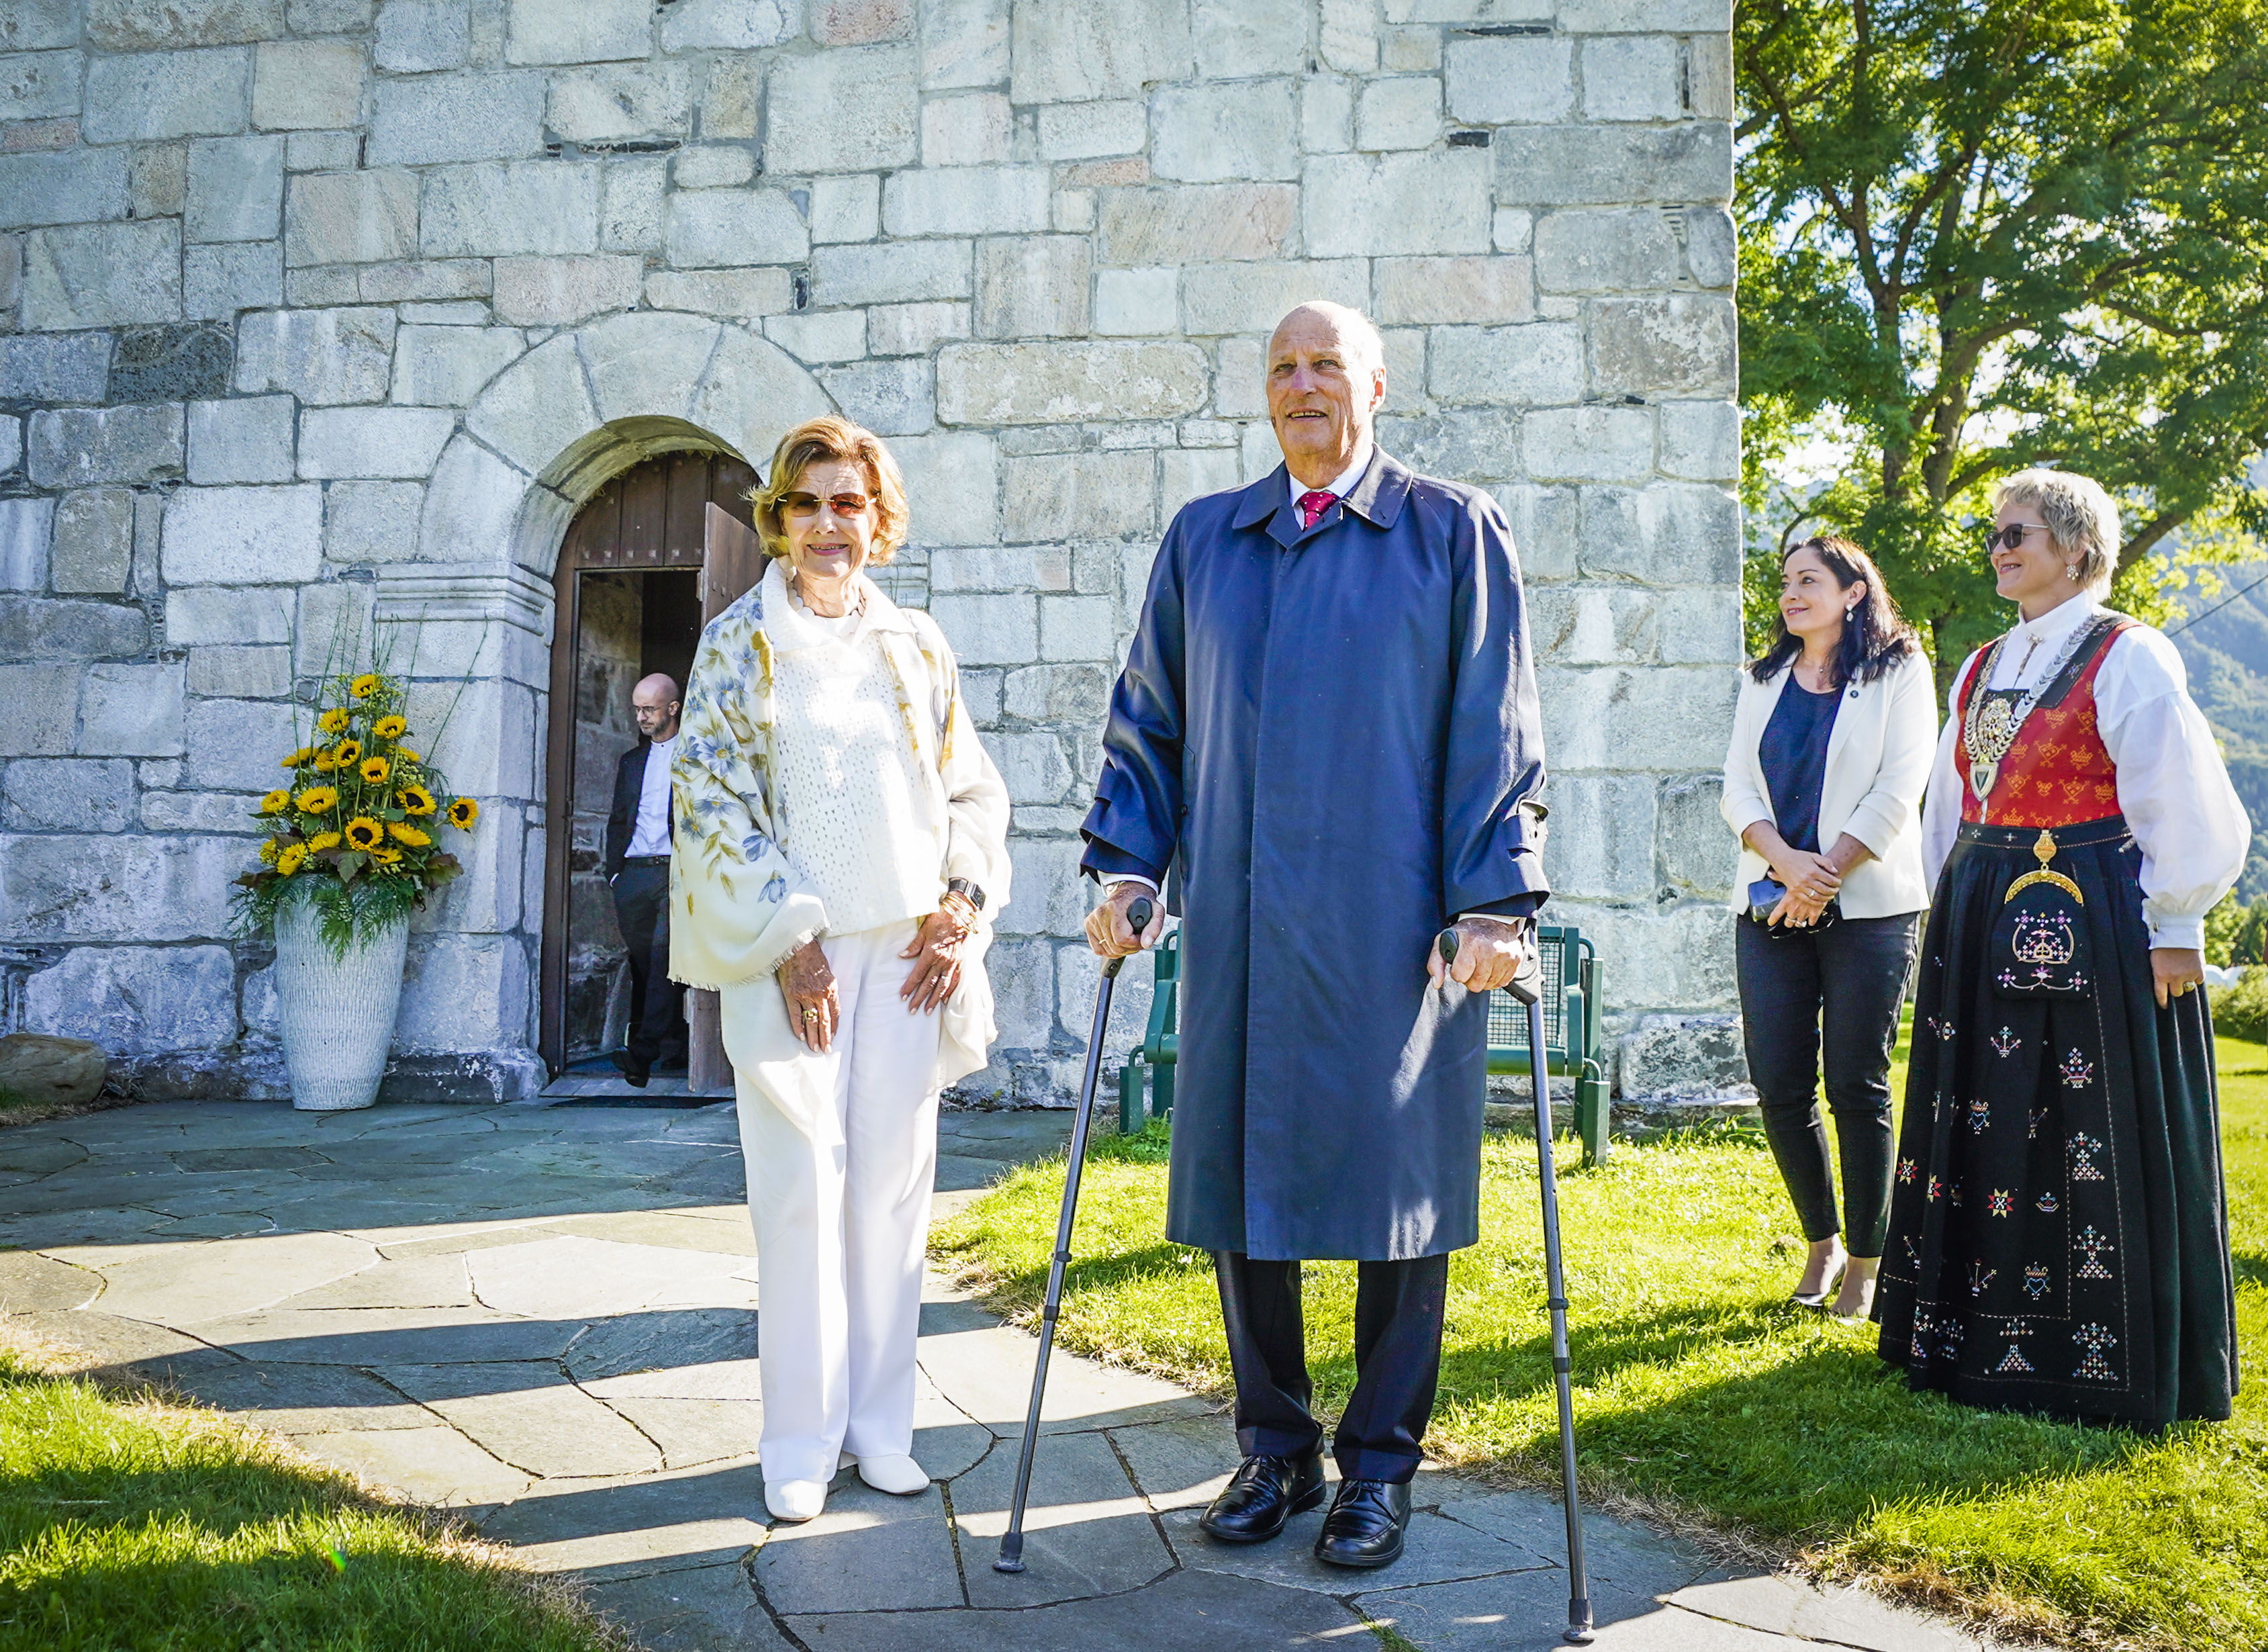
(833, 437)
(2080, 514)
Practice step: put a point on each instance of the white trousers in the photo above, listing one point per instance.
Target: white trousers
(841, 1151)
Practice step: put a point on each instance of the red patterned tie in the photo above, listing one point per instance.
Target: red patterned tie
(1312, 505)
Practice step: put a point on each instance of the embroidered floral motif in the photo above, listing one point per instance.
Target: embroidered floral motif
(2094, 1244)
(1980, 1115)
(2039, 1118)
(2047, 1203)
(2006, 1043)
(2083, 1149)
(2095, 1338)
(2012, 1363)
(1935, 1188)
(2003, 1202)
(1906, 1168)
(1913, 1255)
(2036, 1280)
(2078, 1071)
(1980, 1277)
(1953, 1194)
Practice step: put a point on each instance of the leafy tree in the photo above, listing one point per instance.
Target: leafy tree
(1978, 235)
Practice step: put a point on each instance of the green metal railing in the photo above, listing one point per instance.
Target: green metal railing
(1572, 1042)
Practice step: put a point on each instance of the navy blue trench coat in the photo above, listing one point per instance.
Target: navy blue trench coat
(1331, 739)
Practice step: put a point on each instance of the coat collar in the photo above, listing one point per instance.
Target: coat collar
(1378, 498)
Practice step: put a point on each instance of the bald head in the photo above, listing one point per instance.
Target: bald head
(1351, 329)
(654, 703)
(1326, 383)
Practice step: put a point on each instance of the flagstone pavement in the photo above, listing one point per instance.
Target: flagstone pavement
(544, 1317)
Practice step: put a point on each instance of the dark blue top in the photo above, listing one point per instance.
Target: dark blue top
(1793, 757)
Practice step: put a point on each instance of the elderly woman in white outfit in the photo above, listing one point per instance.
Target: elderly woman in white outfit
(842, 836)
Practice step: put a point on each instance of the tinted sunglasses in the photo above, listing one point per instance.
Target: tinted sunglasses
(2010, 537)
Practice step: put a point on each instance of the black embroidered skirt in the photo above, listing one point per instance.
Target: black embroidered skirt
(2059, 1231)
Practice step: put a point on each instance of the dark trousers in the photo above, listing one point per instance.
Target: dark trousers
(1836, 994)
(657, 1003)
(1397, 1360)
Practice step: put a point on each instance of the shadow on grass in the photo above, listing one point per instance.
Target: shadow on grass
(122, 1528)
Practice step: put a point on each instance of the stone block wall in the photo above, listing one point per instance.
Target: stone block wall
(328, 312)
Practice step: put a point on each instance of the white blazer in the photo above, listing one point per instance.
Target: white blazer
(1878, 762)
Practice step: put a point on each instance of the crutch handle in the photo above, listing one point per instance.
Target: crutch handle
(1137, 919)
(1527, 987)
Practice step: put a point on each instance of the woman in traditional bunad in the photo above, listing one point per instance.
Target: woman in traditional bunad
(2058, 1233)
(841, 835)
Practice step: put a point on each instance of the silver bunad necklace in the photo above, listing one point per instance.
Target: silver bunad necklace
(1991, 724)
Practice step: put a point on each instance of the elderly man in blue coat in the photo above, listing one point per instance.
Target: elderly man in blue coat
(1327, 734)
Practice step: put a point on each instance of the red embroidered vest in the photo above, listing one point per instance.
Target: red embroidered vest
(2058, 771)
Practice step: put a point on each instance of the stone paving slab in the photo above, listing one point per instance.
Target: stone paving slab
(544, 1317)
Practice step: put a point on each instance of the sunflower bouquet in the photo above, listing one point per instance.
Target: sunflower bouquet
(358, 829)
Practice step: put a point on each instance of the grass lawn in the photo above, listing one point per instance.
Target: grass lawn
(129, 1525)
(1700, 1394)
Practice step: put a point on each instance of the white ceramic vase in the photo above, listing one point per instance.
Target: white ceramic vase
(337, 1015)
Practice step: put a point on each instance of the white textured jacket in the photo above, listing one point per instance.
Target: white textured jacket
(1878, 762)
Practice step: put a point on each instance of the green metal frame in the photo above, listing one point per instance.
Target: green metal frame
(1573, 1043)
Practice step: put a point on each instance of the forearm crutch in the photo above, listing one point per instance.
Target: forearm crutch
(1528, 987)
(1012, 1542)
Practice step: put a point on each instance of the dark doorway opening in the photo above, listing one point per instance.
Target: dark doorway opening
(657, 552)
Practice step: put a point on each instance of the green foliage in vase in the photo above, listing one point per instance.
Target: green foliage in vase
(1975, 237)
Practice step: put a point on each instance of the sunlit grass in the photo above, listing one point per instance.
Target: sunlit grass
(133, 1526)
(1700, 1390)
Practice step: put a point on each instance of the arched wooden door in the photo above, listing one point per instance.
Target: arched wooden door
(676, 525)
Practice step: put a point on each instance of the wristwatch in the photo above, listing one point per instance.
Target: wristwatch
(968, 891)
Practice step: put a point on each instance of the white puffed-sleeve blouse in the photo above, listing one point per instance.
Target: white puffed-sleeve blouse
(2173, 787)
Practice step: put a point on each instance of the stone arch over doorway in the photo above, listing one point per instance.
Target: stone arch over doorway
(543, 437)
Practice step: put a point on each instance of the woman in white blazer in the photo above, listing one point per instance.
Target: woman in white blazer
(1830, 752)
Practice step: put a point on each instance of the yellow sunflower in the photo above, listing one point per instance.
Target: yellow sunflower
(386, 856)
(364, 686)
(324, 840)
(274, 802)
(374, 770)
(365, 833)
(303, 754)
(291, 860)
(269, 848)
(391, 727)
(346, 751)
(319, 800)
(404, 751)
(463, 813)
(415, 799)
(333, 721)
(325, 763)
(410, 835)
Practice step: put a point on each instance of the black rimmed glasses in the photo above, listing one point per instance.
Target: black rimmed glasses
(2010, 537)
(803, 507)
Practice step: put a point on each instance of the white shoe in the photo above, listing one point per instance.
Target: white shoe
(899, 1476)
(795, 1500)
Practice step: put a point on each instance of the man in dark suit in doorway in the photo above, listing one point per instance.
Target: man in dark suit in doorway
(639, 832)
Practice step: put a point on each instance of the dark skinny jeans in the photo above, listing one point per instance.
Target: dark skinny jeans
(1838, 990)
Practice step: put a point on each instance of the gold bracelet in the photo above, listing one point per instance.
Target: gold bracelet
(962, 909)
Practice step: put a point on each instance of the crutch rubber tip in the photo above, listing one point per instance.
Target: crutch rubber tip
(1004, 1564)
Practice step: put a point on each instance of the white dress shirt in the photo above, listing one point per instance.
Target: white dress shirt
(2173, 787)
(651, 837)
(1345, 484)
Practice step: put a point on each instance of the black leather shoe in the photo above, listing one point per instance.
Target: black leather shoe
(633, 1070)
(1263, 1493)
(1366, 1525)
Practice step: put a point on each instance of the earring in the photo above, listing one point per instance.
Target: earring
(1850, 611)
(2071, 572)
